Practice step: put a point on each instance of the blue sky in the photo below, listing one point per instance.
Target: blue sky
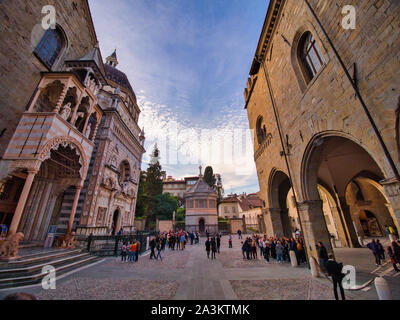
(188, 62)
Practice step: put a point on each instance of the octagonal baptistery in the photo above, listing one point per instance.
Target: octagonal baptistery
(201, 208)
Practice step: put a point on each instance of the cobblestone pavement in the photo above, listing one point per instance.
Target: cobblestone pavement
(190, 275)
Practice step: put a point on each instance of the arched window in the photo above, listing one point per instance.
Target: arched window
(50, 46)
(260, 130)
(310, 56)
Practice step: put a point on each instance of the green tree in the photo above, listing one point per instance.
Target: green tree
(209, 177)
(142, 199)
(153, 185)
(220, 189)
(165, 205)
(180, 215)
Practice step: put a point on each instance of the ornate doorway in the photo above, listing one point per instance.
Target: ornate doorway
(115, 219)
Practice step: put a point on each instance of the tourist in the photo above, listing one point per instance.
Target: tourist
(191, 238)
(248, 248)
(335, 272)
(381, 250)
(208, 247)
(158, 247)
(207, 234)
(266, 251)
(183, 241)
(124, 250)
(322, 255)
(213, 248)
(197, 237)
(120, 232)
(279, 252)
(261, 246)
(132, 251)
(375, 251)
(301, 251)
(138, 246)
(218, 242)
(239, 232)
(392, 258)
(396, 251)
(293, 247)
(254, 248)
(230, 241)
(152, 247)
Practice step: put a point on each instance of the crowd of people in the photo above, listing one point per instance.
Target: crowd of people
(393, 252)
(276, 248)
(130, 251)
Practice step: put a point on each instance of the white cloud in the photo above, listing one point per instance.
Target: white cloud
(185, 76)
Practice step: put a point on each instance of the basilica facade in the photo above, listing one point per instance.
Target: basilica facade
(324, 102)
(70, 147)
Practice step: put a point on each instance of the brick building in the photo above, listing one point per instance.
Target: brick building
(324, 102)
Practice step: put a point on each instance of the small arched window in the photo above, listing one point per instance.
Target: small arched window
(50, 46)
(310, 57)
(261, 131)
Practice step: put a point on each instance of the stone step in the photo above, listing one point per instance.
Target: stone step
(27, 270)
(41, 256)
(61, 268)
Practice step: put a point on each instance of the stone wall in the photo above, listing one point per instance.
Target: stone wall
(20, 22)
(328, 103)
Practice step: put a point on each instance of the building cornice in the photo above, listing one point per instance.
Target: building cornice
(271, 19)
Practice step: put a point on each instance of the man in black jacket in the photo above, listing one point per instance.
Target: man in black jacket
(152, 247)
(322, 255)
(335, 271)
(208, 247)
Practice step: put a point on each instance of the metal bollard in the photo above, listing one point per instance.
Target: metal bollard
(293, 258)
(382, 288)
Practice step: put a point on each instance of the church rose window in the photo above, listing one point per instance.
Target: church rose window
(310, 56)
(50, 46)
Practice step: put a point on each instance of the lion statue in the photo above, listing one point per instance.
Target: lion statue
(67, 240)
(9, 248)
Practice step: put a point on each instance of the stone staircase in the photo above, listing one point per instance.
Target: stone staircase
(27, 270)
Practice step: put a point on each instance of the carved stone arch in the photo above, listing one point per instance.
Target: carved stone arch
(49, 96)
(273, 184)
(44, 152)
(311, 159)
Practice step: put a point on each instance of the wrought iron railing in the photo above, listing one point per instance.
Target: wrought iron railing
(103, 245)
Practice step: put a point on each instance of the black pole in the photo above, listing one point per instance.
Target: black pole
(358, 94)
(274, 107)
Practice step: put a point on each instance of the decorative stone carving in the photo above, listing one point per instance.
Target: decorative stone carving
(44, 152)
(9, 248)
(66, 111)
(88, 130)
(67, 240)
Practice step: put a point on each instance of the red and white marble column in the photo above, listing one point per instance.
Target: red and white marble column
(22, 201)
